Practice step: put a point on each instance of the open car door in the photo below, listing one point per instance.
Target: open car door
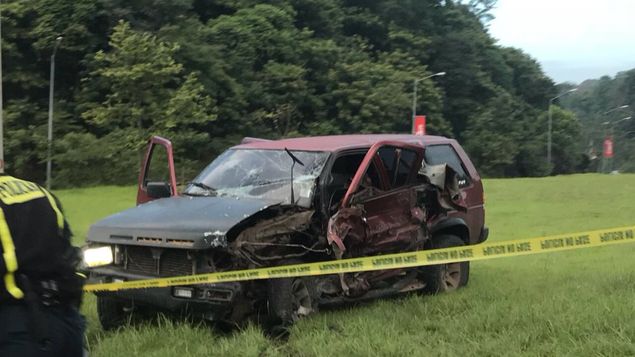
(380, 218)
(157, 178)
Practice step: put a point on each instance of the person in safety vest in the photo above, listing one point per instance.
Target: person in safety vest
(40, 291)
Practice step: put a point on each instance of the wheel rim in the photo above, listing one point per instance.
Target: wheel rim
(302, 304)
(451, 276)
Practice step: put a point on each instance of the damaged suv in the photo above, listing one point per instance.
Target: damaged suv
(269, 203)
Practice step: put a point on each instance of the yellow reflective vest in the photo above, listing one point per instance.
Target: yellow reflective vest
(32, 235)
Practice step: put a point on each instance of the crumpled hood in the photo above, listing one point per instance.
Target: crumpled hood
(176, 220)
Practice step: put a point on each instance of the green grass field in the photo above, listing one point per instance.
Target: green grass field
(578, 303)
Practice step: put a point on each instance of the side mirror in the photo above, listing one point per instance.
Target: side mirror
(158, 189)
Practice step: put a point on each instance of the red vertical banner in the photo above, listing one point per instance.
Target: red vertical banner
(419, 125)
(607, 152)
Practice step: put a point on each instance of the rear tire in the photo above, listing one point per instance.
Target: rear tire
(446, 277)
(113, 313)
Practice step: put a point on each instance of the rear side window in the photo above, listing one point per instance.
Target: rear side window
(445, 154)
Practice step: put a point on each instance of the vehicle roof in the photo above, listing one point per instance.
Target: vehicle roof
(334, 143)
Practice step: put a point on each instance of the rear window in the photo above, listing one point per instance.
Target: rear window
(445, 154)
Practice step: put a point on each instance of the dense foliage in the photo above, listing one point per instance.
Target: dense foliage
(603, 105)
(208, 72)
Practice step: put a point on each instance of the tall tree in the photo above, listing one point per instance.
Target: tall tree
(208, 72)
(138, 89)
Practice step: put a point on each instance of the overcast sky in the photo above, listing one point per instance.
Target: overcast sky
(574, 40)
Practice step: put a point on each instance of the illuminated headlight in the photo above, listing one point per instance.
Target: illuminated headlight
(94, 257)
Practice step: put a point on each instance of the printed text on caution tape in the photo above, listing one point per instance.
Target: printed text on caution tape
(394, 261)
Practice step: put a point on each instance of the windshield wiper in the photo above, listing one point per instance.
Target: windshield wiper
(268, 182)
(295, 160)
(210, 190)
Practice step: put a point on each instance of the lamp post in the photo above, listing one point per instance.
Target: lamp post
(625, 106)
(616, 108)
(414, 92)
(50, 123)
(617, 121)
(550, 124)
(607, 132)
(608, 144)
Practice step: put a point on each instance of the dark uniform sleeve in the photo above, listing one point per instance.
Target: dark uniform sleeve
(72, 254)
(3, 265)
(71, 282)
(67, 234)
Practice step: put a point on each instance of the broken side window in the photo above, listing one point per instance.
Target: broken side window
(340, 177)
(398, 164)
(445, 154)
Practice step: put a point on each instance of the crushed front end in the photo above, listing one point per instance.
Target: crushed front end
(177, 236)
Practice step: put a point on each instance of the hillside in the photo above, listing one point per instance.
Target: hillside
(602, 105)
(208, 72)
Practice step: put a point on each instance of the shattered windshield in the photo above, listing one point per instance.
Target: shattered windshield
(260, 174)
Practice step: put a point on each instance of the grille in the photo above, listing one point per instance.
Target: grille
(172, 262)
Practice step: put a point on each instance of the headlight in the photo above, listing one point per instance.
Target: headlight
(94, 257)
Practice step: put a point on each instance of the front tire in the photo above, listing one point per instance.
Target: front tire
(112, 313)
(444, 278)
(288, 300)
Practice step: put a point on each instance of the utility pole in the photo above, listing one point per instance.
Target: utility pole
(50, 123)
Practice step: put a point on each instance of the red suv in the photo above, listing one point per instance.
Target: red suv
(268, 203)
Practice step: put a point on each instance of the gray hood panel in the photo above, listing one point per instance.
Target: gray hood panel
(203, 220)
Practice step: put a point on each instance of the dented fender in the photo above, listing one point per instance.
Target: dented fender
(284, 236)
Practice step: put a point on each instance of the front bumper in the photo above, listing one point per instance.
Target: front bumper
(215, 301)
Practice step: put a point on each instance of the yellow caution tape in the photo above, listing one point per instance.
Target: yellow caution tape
(394, 261)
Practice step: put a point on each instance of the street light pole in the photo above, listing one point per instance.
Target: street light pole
(612, 123)
(549, 138)
(414, 101)
(550, 125)
(617, 108)
(414, 92)
(608, 131)
(623, 119)
(50, 122)
(607, 161)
